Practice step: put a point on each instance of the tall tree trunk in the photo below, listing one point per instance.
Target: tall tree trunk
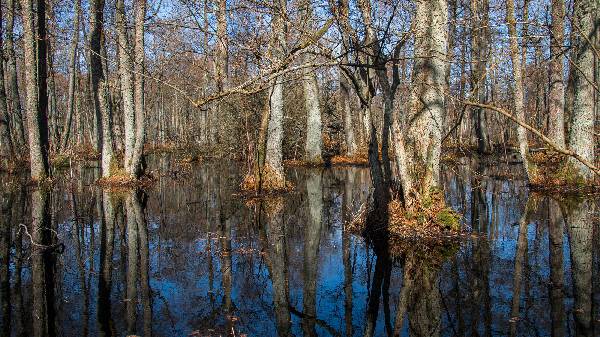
(556, 95)
(581, 136)
(519, 93)
(136, 168)
(274, 152)
(417, 136)
(480, 54)
(99, 88)
(35, 84)
(72, 76)
(13, 84)
(127, 82)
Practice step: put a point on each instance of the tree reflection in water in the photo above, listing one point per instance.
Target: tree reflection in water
(189, 257)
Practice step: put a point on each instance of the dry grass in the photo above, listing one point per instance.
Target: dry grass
(555, 175)
(302, 163)
(121, 181)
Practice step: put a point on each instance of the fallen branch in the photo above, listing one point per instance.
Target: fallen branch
(531, 129)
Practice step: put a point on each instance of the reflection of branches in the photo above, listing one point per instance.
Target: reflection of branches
(331, 330)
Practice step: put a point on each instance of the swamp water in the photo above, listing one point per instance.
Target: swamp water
(189, 258)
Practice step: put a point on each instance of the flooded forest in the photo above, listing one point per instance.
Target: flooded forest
(244, 168)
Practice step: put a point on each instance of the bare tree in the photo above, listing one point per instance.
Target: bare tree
(34, 44)
(99, 87)
(556, 94)
(519, 93)
(13, 85)
(581, 135)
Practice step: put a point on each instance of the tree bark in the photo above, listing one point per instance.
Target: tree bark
(519, 93)
(274, 153)
(417, 136)
(136, 168)
(480, 54)
(581, 135)
(100, 87)
(35, 84)
(127, 82)
(556, 95)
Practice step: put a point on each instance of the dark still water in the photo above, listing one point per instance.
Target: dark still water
(189, 258)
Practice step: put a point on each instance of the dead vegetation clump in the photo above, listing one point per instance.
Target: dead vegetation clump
(302, 163)
(269, 182)
(554, 174)
(356, 160)
(427, 226)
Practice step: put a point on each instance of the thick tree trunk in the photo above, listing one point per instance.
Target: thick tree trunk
(103, 117)
(314, 140)
(127, 83)
(274, 142)
(581, 136)
(34, 45)
(72, 76)
(519, 92)
(136, 168)
(417, 136)
(556, 95)
(13, 84)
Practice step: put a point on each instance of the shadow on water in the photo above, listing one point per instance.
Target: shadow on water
(186, 258)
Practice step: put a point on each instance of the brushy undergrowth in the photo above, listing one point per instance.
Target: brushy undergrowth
(356, 160)
(428, 227)
(555, 174)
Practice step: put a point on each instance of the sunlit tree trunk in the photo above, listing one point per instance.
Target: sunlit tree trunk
(581, 135)
(314, 141)
(346, 110)
(274, 151)
(556, 94)
(34, 45)
(12, 82)
(136, 168)
(519, 106)
(417, 136)
(127, 82)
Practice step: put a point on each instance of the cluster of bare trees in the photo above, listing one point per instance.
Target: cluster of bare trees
(405, 76)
